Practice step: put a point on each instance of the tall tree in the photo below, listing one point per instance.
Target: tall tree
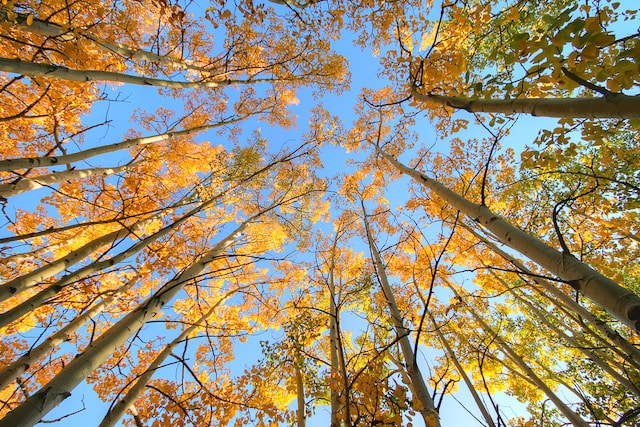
(516, 265)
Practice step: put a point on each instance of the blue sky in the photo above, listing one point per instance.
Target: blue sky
(362, 66)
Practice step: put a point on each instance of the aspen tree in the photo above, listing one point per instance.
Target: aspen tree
(619, 302)
(21, 365)
(301, 415)
(33, 69)
(118, 410)
(596, 357)
(474, 393)
(22, 283)
(339, 377)
(26, 22)
(426, 406)
(96, 266)
(29, 184)
(574, 418)
(617, 107)
(629, 350)
(67, 159)
(61, 386)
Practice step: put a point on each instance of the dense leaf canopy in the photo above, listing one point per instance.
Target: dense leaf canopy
(320, 212)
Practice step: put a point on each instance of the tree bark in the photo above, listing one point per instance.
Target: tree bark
(44, 161)
(338, 365)
(59, 388)
(618, 106)
(24, 362)
(630, 352)
(592, 355)
(621, 303)
(49, 29)
(47, 293)
(419, 389)
(34, 255)
(118, 410)
(35, 69)
(333, 357)
(506, 348)
(462, 372)
(28, 184)
(20, 284)
(298, 363)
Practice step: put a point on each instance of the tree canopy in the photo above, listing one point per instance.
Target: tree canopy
(320, 212)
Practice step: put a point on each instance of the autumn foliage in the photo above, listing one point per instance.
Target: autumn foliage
(199, 230)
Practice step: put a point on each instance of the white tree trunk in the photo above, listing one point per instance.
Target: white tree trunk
(28, 184)
(44, 161)
(594, 355)
(47, 293)
(338, 365)
(24, 362)
(117, 411)
(35, 69)
(462, 372)
(59, 388)
(50, 29)
(506, 348)
(621, 303)
(19, 284)
(301, 416)
(629, 351)
(419, 390)
(616, 107)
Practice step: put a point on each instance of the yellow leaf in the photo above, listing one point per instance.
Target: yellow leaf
(29, 19)
(427, 39)
(512, 15)
(589, 52)
(613, 85)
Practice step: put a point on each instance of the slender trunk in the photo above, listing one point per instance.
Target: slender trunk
(44, 295)
(333, 357)
(632, 237)
(506, 348)
(544, 317)
(296, 3)
(630, 352)
(59, 388)
(187, 200)
(298, 363)
(118, 410)
(136, 418)
(550, 374)
(24, 282)
(44, 161)
(462, 372)
(35, 255)
(621, 303)
(24, 362)
(49, 29)
(421, 395)
(28, 184)
(35, 69)
(342, 366)
(618, 106)
(338, 365)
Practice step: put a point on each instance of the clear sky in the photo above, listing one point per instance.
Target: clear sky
(459, 410)
(362, 66)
